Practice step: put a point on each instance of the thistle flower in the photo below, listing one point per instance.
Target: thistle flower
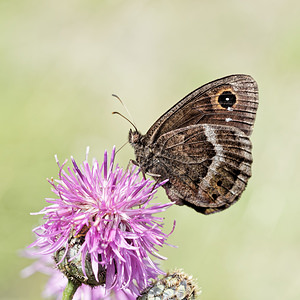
(106, 213)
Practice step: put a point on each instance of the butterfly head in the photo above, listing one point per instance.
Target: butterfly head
(135, 140)
(134, 137)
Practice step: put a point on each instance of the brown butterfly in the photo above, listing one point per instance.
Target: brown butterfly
(202, 146)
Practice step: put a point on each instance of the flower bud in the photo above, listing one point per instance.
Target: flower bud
(174, 285)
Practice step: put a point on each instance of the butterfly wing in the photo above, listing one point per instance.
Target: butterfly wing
(208, 166)
(201, 144)
(232, 100)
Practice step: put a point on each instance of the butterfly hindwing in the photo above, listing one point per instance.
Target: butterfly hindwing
(208, 166)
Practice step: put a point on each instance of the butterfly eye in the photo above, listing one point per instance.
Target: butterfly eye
(134, 137)
(227, 99)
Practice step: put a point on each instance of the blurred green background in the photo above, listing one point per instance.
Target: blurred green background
(60, 61)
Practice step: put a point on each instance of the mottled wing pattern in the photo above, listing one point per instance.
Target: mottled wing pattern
(208, 166)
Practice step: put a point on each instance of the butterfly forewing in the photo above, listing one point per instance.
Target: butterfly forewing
(232, 100)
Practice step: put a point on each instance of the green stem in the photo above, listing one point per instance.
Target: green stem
(70, 290)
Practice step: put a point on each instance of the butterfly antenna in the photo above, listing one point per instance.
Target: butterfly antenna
(128, 112)
(117, 113)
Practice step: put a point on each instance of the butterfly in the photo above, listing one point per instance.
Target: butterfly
(202, 144)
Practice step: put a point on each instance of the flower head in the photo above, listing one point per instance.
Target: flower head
(106, 212)
(173, 285)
